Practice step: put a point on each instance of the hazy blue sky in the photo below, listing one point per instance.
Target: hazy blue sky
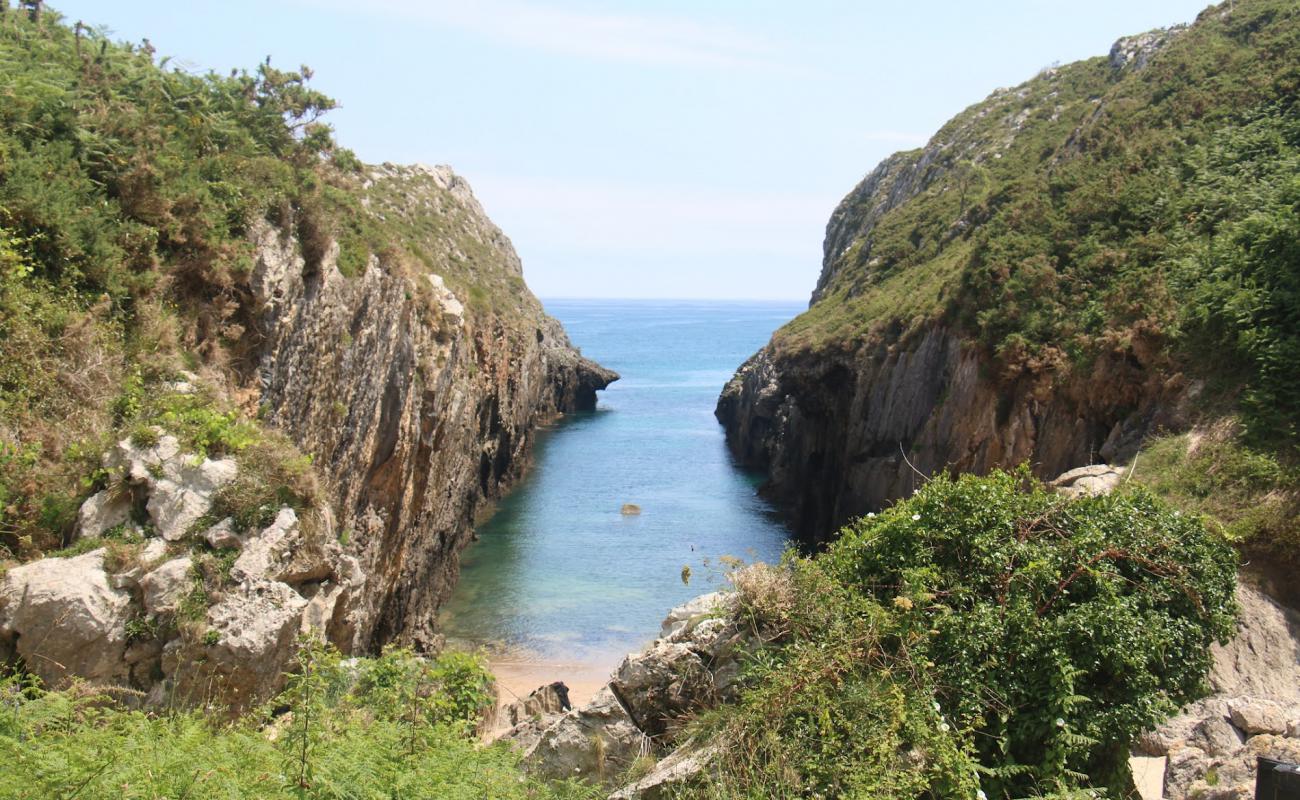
(645, 149)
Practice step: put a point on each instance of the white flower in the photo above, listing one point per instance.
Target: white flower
(943, 726)
(871, 514)
(979, 793)
(1060, 723)
(936, 705)
(916, 517)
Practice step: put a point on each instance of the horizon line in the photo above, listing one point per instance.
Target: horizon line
(614, 298)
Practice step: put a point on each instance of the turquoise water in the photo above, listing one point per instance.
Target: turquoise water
(559, 571)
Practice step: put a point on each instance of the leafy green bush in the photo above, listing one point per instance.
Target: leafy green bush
(331, 743)
(983, 635)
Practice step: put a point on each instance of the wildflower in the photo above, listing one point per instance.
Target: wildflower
(936, 705)
(943, 726)
(979, 794)
(916, 517)
(1060, 723)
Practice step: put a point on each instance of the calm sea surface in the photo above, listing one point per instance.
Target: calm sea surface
(559, 572)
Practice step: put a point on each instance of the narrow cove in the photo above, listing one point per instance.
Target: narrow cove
(561, 584)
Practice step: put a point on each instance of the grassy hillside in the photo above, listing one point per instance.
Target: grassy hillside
(1097, 208)
(1101, 228)
(127, 192)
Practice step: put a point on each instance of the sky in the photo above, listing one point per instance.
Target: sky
(667, 149)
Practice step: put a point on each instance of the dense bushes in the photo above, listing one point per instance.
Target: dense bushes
(984, 635)
(392, 727)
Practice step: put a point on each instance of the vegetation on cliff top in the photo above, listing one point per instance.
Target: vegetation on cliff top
(985, 637)
(1145, 213)
(127, 194)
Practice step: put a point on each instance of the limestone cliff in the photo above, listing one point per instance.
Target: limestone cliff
(418, 406)
(1015, 291)
(416, 409)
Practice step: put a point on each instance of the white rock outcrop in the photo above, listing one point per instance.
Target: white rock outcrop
(1212, 746)
(75, 617)
(638, 713)
(103, 512)
(166, 585)
(1089, 481)
(598, 742)
(179, 486)
(65, 619)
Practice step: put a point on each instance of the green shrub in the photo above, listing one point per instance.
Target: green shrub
(272, 474)
(76, 743)
(1249, 493)
(985, 634)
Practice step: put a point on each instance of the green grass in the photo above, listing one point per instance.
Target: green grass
(394, 726)
(1247, 493)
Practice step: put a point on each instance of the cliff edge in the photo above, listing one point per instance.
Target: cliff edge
(1049, 280)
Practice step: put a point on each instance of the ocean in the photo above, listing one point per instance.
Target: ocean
(559, 572)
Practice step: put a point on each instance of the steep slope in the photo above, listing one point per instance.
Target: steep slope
(417, 408)
(1101, 253)
(249, 384)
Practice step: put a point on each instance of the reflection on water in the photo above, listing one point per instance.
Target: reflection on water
(559, 573)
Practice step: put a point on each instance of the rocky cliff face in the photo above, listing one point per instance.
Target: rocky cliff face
(844, 433)
(419, 406)
(883, 383)
(415, 384)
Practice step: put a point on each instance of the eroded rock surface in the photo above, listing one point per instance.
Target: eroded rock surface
(1254, 710)
(66, 620)
(148, 621)
(847, 411)
(418, 391)
(638, 714)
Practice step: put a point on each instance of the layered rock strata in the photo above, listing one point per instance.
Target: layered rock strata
(852, 415)
(418, 406)
(844, 433)
(416, 395)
